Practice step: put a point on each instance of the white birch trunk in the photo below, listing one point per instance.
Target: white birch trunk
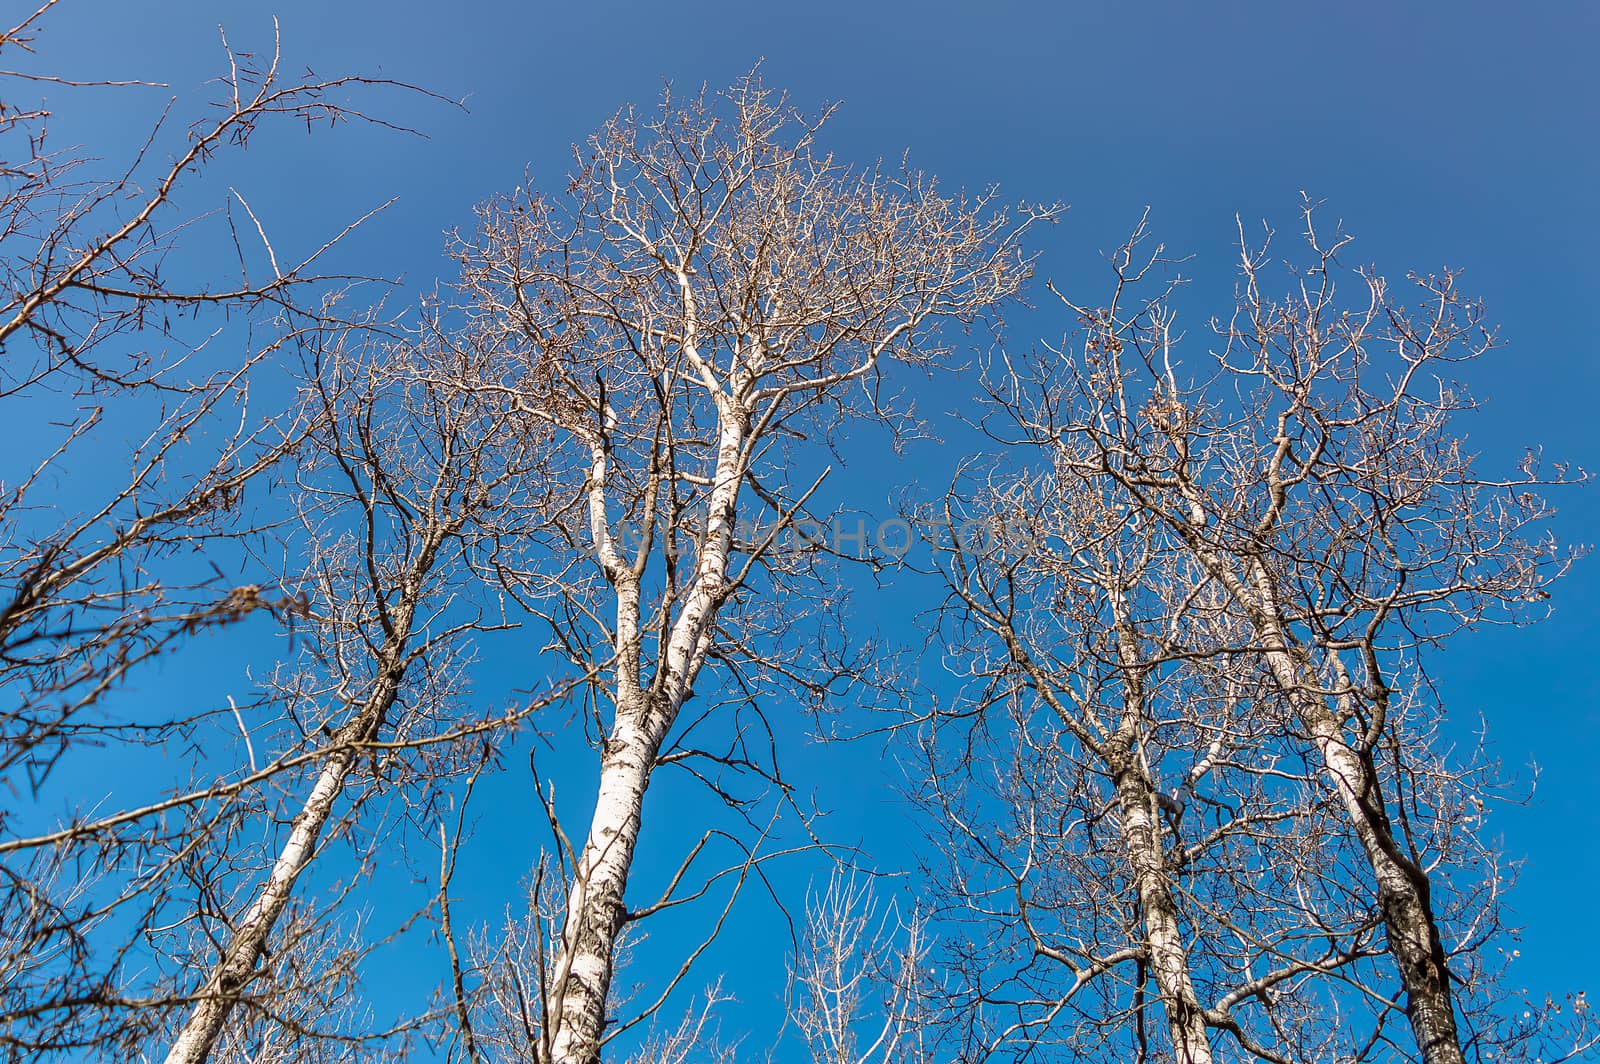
(595, 907)
(1403, 889)
(248, 942)
(596, 910)
(1141, 837)
(1168, 957)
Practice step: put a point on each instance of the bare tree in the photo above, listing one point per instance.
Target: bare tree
(710, 289)
(1117, 799)
(1311, 474)
(410, 487)
(860, 987)
(112, 556)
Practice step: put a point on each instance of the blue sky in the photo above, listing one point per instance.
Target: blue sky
(1459, 134)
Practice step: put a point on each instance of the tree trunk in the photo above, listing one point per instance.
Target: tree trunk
(248, 943)
(1403, 889)
(575, 1011)
(595, 907)
(1403, 895)
(1169, 960)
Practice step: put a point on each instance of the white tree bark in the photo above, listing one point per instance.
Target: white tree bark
(200, 1032)
(1141, 836)
(1403, 888)
(596, 909)
(253, 930)
(247, 944)
(1168, 957)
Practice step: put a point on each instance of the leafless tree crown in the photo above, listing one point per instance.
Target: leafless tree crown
(1193, 797)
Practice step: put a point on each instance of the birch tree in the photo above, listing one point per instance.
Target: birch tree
(1124, 827)
(112, 553)
(1312, 470)
(708, 291)
(409, 486)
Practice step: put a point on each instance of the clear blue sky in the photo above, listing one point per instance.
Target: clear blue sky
(1460, 134)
